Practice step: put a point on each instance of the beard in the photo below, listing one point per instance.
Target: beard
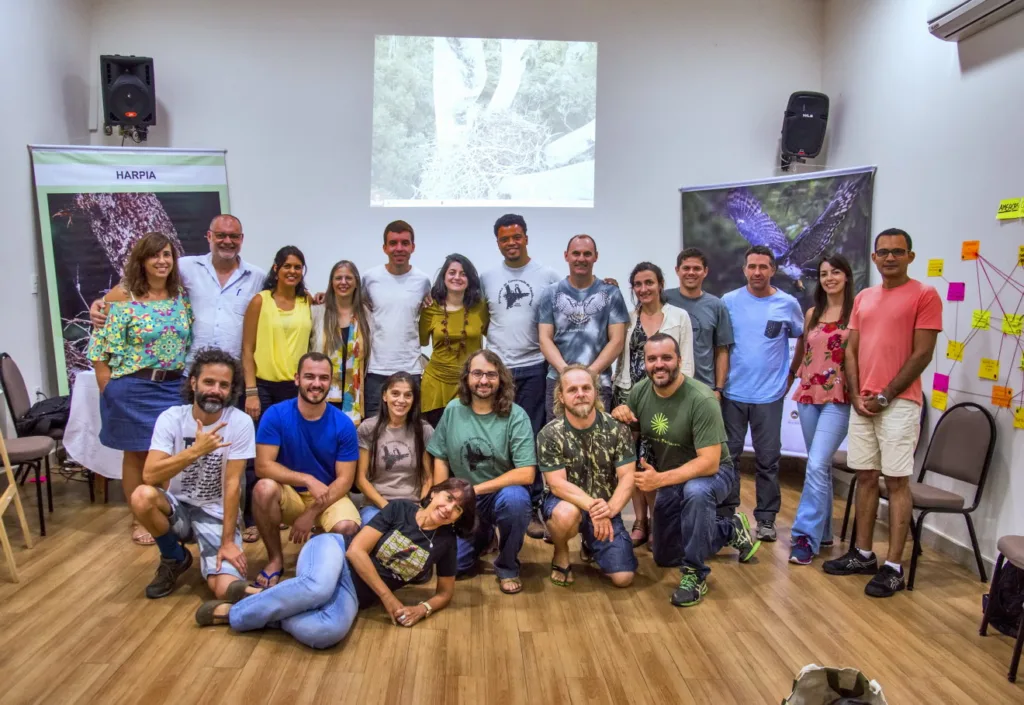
(483, 392)
(673, 375)
(582, 410)
(312, 395)
(210, 403)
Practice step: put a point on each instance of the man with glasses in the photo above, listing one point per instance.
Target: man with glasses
(893, 328)
(485, 437)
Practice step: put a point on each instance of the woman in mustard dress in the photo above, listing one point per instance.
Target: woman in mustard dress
(455, 323)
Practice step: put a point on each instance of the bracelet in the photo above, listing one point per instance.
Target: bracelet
(427, 607)
(251, 392)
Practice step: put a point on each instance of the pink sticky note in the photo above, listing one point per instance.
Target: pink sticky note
(940, 383)
(956, 291)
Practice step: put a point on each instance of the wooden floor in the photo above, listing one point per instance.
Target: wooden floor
(78, 629)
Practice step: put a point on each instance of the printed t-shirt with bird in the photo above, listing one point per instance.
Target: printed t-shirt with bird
(481, 447)
(399, 472)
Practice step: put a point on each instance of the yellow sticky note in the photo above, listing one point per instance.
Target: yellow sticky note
(1002, 396)
(1013, 323)
(1020, 256)
(970, 249)
(988, 369)
(935, 268)
(1018, 417)
(1010, 208)
(939, 400)
(980, 319)
(955, 351)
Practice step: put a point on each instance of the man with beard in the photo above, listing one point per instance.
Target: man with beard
(485, 438)
(306, 453)
(680, 419)
(199, 452)
(588, 459)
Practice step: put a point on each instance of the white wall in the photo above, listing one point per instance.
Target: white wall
(943, 122)
(688, 93)
(44, 52)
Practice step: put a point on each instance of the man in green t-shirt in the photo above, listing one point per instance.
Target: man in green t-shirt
(693, 473)
(485, 438)
(588, 459)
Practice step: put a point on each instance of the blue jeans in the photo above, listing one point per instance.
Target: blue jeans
(317, 606)
(530, 387)
(824, 427)
(508, 509)
(687, 528)
(369, 511)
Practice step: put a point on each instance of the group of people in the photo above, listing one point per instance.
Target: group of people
(317, 412)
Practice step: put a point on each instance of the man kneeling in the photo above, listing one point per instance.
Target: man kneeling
(306, 453)
(588, 459)
(200, 448)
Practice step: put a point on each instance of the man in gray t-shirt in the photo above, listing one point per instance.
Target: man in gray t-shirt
(581, 320)
(712, 327)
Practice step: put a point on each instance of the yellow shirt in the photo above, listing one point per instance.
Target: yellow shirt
(282, 337)
(465, 332)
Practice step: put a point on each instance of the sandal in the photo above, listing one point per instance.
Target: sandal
(236, 591)
(566, 574)
(639, 527)
(268, 577)
(205, 615)
(142, 537)
(251, 534)
(517, 585)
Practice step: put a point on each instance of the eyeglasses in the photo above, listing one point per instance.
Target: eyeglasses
(480, 374)
(897, 252)
(234, 237)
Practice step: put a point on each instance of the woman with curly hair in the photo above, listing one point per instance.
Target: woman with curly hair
(454, 323)
(139, 356)
(823, 402)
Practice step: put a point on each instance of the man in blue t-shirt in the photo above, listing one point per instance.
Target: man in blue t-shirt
(763, 321)
(581, 320)
(306, 454)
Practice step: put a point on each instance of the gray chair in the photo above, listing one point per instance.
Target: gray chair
(1011, 548)
(33, 452)
(961, 447)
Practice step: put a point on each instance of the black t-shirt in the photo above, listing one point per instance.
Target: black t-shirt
(404, 551)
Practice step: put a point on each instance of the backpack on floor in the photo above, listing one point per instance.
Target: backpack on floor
(45, 416)
(1008, 597)
(815, 685)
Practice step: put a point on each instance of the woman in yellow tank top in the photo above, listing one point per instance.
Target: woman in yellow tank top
(275, 333)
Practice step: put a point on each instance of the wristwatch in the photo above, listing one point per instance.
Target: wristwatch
(427, 607)
(882, 400)
(718, 389)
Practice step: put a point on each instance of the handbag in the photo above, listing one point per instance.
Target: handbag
(816, 685)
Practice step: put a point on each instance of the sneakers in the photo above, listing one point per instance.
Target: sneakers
(741, 539)
(167, 574)
(851, 563)
(691, 589)
(886, 583)
(801, 552)
(766, 531)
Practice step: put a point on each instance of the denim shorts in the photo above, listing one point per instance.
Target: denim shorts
(189, 522)
(615, 556)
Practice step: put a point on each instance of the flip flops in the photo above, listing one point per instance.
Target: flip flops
(565, 572)
(510, 591)
(268, 577)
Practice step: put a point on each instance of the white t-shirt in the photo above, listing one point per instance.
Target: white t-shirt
(394, 335)
(512, 296)
(201, 484)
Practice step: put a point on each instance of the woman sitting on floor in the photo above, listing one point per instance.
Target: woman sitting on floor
(320, 604)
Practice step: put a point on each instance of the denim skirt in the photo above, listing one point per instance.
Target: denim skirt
(129, 407)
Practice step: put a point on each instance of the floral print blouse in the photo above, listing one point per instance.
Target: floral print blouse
(822, 372)
(143, 335)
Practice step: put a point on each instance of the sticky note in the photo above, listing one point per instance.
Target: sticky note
(1022, 361)
(955, 351)
(1010, 208)
(935, 268)
(955, 292)
(981, 319)
(969, 250)
(940, 383)
(1020, 256)
(988, 369)
(1013, 323)
(1018, 417)
(939, 400)
(1002, 396)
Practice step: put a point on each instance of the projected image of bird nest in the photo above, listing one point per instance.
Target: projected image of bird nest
(477, 121)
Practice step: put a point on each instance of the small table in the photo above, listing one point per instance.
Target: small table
(82, 435)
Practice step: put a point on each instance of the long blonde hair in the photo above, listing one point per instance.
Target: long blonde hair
(558, 403)
(360, 309)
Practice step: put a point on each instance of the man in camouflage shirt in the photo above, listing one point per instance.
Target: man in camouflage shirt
(588, 459)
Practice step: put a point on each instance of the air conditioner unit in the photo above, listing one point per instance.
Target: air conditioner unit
(954, 20)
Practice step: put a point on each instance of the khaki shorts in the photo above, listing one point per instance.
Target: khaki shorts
(887, 441)
(294, 503)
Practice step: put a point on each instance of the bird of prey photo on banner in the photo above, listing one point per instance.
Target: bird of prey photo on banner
(798, 257)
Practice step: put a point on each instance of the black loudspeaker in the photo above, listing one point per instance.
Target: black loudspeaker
(129, 91)
(803, 127)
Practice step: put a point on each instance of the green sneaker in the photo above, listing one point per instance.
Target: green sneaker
(691, 589)
(742, 540)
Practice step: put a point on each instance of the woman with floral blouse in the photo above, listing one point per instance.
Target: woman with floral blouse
(139, 355)
(823, 403)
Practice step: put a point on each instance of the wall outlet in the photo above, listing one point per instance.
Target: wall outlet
(34, 286)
